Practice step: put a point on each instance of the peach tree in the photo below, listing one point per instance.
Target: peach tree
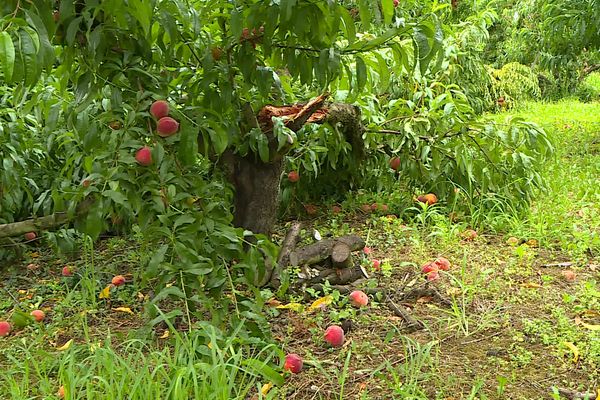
(251, 86)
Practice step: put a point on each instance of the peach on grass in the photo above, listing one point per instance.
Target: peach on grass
(159, 109)
(430, 267)
(311, 209)
(293, 363)
(433, 275)
(334, 335)
(118, 280)
(469, 234)
(67, 271)
(358, 298)
(38, 315)
(4, 328)
(569, 275)
(336, 209)
(442, 263)
(376, 265)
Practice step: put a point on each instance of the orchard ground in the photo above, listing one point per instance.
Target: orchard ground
(518, 323)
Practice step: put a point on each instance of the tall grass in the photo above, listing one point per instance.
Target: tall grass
(199, 365)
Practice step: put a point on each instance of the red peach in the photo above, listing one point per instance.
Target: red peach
(167, 126)
(367, 250)
(114, 125)
(61, 392)
(334, 335)
(433, 275)
(376, 265)
(30, 236)
(293, 176)
(336, 209)
(66, 271)
(358, 298)
(86, 183)
(293, 363)
(442, 263)
(144, 156)
(430, 267)
(118, 280)
(374, 207)
(395, 163)
(469, 234)
(159, 109)
(4, 328)
(366, 208)
(383, 208)
(38, 315)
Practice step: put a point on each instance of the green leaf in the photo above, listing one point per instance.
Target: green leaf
(7, 55)
(261, 368)
(361, 73)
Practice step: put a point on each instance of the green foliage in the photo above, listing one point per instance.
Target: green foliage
(514, 82)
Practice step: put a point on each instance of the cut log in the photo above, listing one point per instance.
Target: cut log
(320, 251)
(341, 256)
(335, 276)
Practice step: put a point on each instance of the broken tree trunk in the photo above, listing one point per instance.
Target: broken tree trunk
(256, 181)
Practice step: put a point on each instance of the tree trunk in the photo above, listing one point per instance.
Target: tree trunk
(256, 182)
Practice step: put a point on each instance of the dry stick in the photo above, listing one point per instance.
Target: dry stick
(572, 394)
(413, 324)
(292, 238)
(561, 264)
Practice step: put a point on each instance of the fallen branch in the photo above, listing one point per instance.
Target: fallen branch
(561, 264)
(42, 223)
(572, 394)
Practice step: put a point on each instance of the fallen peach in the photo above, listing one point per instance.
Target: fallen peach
(38, 315)
(4, 328)
(293, 363)
(336, 209)
(66, 271)
(376, 265)
(569, 275)
(433, 275)
(118, 280)
(442, 263)
(358, 298)
(334, 335)
(30, 236)
(430, 267)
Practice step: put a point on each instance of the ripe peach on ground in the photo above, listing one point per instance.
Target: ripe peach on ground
(469, 234)
(430, 267)
(512, 241)
(38, 315)
(433, 275)
(430, 199)
(293, 176)
(374, 207)
(358, 298)
(311, 209)
(336, 209)
(366, 208)
(367, 250)
(293, 363)
(167, 126)
(384, 208)
(159, 109)
(4, 328)
(67, 271)
(144, 156)
(118, 280)
(334, 335)
(395, 163)
(442, 263)
(376, 265)
(30, 235)
(61, 392)
(569, 275)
